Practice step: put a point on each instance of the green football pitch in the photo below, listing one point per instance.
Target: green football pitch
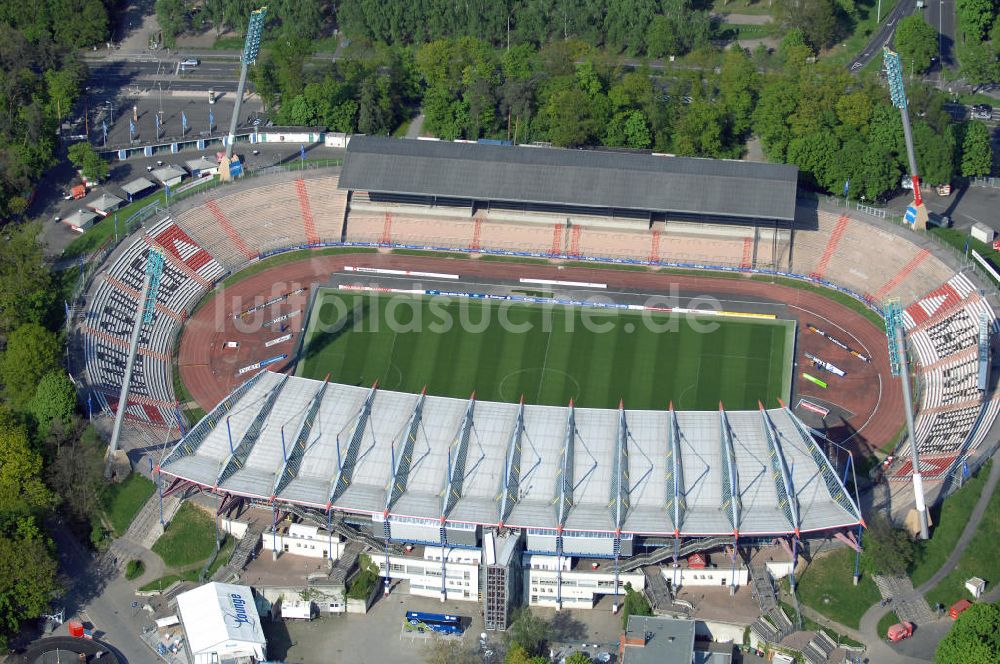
(549, 354)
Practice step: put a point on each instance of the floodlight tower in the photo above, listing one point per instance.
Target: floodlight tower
(916, 214)
(143, 316)
(250, 50)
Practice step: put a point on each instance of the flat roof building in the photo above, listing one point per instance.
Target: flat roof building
(656, 640)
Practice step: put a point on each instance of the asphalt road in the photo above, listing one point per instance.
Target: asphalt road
(940, 14)
(873, 49)
(148, 71)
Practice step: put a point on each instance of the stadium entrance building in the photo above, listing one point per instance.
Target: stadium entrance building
(696, 199)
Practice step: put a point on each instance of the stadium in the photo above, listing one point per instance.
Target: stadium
(722, 407)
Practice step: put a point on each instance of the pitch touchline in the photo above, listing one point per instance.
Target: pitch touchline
(610, 292)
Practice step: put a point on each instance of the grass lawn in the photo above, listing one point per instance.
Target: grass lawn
(550, 354)
(827, 586)
(887, 621)
(950, 518)
(189, 538)
(291, 257)
(430, 254)
(836, 296)
(160, 584)
(957, 239)
(810, 624)
(979, 559)
(123, 501)
(192, 574)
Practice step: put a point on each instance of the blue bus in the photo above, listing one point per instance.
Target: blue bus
(418, 621)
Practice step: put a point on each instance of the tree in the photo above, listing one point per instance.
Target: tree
(976, 16)
(22, 491)
(215, 12)
(935, 153)
(528, 631)
(173, 18)
(25, 282)
(978, 63)
(32, 351)
(578, 658)
(517, 655)
(54, 400)
(974, 638)
(635, 604)
(27, 578)
(85, 158)
(440, 650)
(916, 42)
(815, 18)
(887, 550)
(75, 470)
(977, 151)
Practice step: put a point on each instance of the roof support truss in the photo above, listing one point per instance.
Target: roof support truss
(564, 480)
(191, 442)
(730, 478)
(402, 461)
(676, 503)
(239, 455)
(619, 478)
(512, 469)
(293, 458)
(458, 451)
(346, 469)
(833, 485)
(780, 474)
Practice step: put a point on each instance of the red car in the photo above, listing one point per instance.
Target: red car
(900, 631)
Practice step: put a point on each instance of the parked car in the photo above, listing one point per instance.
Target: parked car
(900, 631)
(942, 220)
(958, 608)
(982, 112)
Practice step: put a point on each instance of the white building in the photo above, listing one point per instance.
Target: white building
(169, 175)
(202, 167)
(303, 540)
(422, 568)
(580, 585)
(713, 575)
(221, 623)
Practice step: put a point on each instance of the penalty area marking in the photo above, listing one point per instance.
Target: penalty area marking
(556, 282)
(400, 273)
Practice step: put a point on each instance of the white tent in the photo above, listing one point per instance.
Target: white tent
(221, 622)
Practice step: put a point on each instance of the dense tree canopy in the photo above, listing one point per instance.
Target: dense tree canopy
(977, 150)
(917, 43)
(635, 27)
(974, 638)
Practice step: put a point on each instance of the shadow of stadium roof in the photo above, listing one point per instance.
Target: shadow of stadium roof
(684, 186)
(370, 451)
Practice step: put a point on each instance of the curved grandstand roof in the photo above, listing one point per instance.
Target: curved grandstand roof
(551, 176)
(373, 451)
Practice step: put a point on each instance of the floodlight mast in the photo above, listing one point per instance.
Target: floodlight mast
(250, 50)
(918, 484)
(894, 74)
